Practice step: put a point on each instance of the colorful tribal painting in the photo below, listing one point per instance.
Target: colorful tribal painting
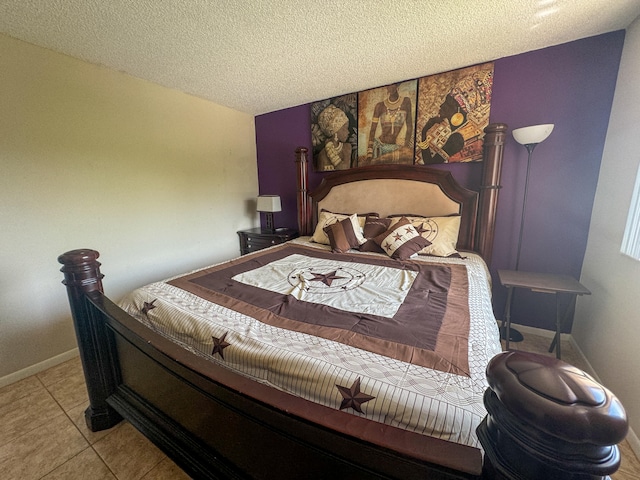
(453, 110)
(386, 119)
(334, 133)
(436, 119)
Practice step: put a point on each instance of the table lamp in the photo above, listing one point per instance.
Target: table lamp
(269, 204)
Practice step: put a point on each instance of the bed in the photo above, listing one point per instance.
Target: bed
(316, 400)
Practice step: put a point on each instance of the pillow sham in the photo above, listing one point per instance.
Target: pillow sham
(442, 233)
(327, 218)
(345, 234)
(374, 226)
(401, 240)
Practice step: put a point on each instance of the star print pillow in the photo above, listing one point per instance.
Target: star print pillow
(401, 240)
(442, 233)
(345, 234)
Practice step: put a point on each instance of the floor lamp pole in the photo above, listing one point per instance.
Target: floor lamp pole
(515, 335)
(529, 147)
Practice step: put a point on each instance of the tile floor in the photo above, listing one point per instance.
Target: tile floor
(43, 435)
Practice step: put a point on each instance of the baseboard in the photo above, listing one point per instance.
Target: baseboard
(38, 367)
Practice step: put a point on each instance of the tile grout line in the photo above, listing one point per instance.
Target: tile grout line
(87, 440)
(103, 461)
(89, 444)
(24, 432)
(66, 413)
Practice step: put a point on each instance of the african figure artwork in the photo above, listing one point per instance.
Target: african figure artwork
(386, 118)
(436, 119)
(453, 110)
(333, 133)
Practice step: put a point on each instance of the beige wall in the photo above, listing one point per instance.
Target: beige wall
(607, 323)
(156, 180)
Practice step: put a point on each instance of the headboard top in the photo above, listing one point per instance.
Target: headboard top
(390, 197)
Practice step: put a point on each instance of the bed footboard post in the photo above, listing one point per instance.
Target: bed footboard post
(548, 419)
(82, 278)
(493, 152)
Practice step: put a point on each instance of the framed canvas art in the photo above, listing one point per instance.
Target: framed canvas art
(453, 110)
(334, 133)
(386, 119)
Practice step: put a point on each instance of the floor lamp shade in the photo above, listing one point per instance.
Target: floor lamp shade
(532, 135)
(269, 204)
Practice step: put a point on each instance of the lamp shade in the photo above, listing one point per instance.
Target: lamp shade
(269, 203)
(532, 135)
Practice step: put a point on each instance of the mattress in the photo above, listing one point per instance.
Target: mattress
(403, 344)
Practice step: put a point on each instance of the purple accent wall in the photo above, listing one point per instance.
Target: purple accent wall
(570, 85)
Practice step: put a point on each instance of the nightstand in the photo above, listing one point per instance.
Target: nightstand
(542, 283)
(255, 239)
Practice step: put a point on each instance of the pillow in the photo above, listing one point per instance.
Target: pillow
(442, 233)
(401, 240)
(345, 234)
(327, 218)
(374, 226)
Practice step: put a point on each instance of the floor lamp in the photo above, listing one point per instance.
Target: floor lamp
(530, 137)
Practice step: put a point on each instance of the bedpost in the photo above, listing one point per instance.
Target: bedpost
(490, 187)
(82, 278)
(548, 419)
(304, 206)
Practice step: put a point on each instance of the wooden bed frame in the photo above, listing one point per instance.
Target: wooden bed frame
(216, 424)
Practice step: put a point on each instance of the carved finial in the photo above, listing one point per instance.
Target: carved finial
(81, 269)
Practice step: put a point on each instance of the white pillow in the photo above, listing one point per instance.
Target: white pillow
(442, 232)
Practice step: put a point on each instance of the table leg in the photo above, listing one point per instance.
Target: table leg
(558, 328)
(507, 318)
(560, 321)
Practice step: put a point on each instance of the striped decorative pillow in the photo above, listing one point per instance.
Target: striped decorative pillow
(327, 218)
(373, 227)
(345, 234)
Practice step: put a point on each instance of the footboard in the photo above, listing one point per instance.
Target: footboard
(217, 424)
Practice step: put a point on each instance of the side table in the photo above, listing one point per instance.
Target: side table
(543, 283)
(255, 239)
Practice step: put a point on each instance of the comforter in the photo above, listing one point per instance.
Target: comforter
(404, 344)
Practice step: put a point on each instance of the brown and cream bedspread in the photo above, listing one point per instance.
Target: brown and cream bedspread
(401, 343)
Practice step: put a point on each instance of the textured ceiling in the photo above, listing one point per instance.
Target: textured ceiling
(259, 56)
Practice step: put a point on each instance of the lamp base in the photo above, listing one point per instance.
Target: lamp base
(514, 335)
(270, 226)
